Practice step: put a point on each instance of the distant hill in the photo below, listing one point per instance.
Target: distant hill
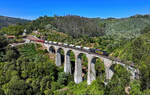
(6, 21)
(73, 25)
(127, 27)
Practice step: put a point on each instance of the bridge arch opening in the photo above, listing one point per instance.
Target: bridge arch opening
(117, 70)
(99, 67)
(120, 74)
(60, 57)
(52, 49)
(96, 70)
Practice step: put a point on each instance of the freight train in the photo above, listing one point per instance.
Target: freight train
(91, 50)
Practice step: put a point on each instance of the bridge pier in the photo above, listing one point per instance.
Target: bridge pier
(78, 68)
(109, 73)
(67, 64)
(91, 70)
(58, 58)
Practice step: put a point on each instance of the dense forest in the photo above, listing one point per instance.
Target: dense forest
(29, 70)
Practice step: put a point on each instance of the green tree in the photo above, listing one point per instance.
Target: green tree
(3, 42)
(63, 79)
(13, 30)
(11, 54)
(16, 86)
(135, 88)
(145, 74)
(119, 81)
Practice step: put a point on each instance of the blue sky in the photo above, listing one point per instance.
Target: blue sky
(32, 9)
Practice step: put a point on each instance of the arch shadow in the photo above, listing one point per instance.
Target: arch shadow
(52, 49)
(97, 66)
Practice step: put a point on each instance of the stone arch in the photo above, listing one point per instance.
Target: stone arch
(59, 56)
(52, 49)
(112, 70)
(95, 68)
(69, 65)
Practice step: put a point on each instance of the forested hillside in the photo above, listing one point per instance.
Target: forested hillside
(6, 21)
(136, 50)
(125, 29)
(75, 26)
(78, 26)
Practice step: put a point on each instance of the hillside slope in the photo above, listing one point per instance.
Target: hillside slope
(116, 32)
(6, 21)
(76, 26)
(127, 27)
(137, 50)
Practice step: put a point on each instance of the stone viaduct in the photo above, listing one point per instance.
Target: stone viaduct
(91, 62)
(78, 62)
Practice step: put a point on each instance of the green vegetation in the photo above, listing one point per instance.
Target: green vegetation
(13, 30)
(28, 70)
(119, 81)
(106, 34)
(136, 50)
